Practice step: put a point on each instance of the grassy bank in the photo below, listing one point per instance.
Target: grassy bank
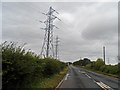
(99, 66)
(108, 74)
(112, 75)
(50, 82)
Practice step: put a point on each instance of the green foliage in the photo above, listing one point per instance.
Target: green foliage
(99, 65)
(118, 69)
(20, 67)
(52, 66)
(111, 69)
(89, 65)
(83, 62)
(103, 68)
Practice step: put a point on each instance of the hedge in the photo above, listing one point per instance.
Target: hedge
(21, 67)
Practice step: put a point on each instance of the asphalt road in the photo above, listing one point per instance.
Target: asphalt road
(81, 78)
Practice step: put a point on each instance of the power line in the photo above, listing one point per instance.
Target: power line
(47, 47)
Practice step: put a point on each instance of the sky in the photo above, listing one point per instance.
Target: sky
(84, 29)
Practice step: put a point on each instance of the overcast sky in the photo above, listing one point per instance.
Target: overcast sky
(85, 27)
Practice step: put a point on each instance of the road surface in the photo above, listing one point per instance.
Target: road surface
(81, 78)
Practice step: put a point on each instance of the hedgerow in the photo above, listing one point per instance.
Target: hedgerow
(99, 65)
(21, 67)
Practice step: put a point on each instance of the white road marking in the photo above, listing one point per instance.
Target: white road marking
(60, 83)
(104, 86)
(66, 76)
(94, 81)
(82, 72)
(88, 76)
(98, 83)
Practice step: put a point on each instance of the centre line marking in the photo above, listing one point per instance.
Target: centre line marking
(88, 76)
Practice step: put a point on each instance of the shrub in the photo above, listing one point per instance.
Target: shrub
(98, 64)
(22, 67)
(52, 66)
(102, 68)
(112, 69)
(88, 65)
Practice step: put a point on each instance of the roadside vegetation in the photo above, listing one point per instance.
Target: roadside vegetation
(99, 66)
(51, 82)
(22, 68)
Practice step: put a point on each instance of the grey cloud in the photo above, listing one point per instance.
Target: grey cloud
(104, 29)
(84, 29)
(103, 26)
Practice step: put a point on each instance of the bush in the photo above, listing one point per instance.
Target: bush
(102, 68)
(112, 69)
(88, 65)
(99, 63)
(83, 62)
(20, 67)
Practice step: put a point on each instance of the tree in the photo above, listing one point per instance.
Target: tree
(83, 62)
(99, 63)
(86, 61)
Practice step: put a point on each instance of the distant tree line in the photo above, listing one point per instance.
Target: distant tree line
(82, 62)
(21, 67)
(98, 65)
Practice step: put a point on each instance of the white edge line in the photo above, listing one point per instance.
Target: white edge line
(60, 83)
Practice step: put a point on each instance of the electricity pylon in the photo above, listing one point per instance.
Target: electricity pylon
(48, 47)
(56, 47)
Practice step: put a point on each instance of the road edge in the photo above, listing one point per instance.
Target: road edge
(60, 83)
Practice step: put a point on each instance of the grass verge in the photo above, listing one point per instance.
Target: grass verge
(107, 74)
(50, 82)
(112, 75)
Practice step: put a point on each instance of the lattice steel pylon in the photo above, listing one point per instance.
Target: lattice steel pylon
(56, 48)
(48, 47)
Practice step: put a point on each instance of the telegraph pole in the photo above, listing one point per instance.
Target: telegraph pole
(56, 47)
(47, 47)
(104, 54)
